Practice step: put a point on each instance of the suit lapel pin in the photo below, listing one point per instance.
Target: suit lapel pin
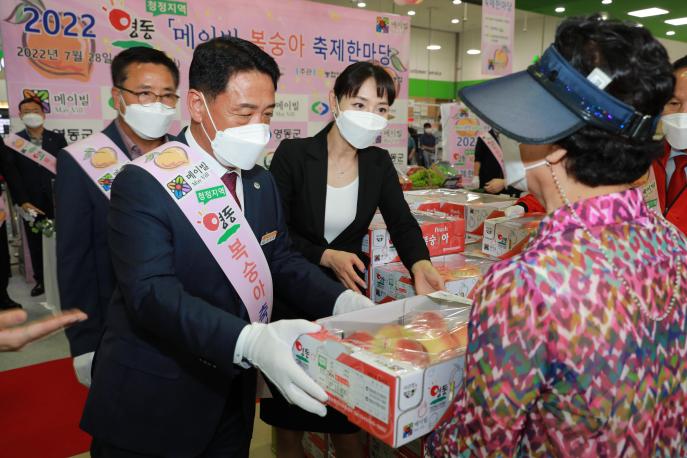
(257, 185)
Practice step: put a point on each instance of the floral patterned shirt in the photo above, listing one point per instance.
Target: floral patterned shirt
(561, 361)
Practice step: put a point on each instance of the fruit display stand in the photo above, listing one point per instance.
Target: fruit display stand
(393, 369)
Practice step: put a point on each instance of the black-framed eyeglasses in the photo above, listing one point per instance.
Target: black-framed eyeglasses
(150, 97)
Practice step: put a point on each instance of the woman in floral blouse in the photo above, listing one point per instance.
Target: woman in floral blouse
(578, 346)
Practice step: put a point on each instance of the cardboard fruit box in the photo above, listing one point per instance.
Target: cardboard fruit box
(443, 235)
(461, 274)
(473, 207)
(507, 236)
(377, 382)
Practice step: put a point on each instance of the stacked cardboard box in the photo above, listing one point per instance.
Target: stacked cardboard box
(395, 401)
(506, 236)
(442, 234)
(473, 207)
(461, 273)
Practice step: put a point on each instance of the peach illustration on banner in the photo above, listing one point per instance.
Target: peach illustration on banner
(38, 44)
(104, 157)
(18, 143)
(171, 158)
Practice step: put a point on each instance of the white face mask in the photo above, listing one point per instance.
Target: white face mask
(516, 171)
(32, 120)
(359, 128)
(675, 128)
(149, 122)
(428, 131)
(238, 146)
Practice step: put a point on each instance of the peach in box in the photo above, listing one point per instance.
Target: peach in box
(361, 338)
(386, 337)
(412, 351)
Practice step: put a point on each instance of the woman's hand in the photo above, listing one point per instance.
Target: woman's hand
(343, 264)
(495, 186)
(13, 337)
(426, 278)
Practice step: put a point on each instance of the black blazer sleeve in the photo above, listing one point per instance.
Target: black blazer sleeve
(60, 141)
(404, 230)
(77, 275)
(14, 181)
(142, 249)
(287, 176)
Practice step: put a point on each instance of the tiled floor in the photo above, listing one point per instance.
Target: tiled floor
(56, 347)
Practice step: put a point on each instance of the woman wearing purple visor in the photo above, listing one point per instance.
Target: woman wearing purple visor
(578, 346)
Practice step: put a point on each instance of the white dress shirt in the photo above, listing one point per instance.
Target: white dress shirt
(216, 167)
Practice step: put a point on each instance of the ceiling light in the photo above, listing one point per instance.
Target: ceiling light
(560, 9)
(362, 4)
(670, 33)
(433, 47)
(648, 12)
(473, 52)
(411, 13)
(457, 2)
(606, 2)
(455, 21)
(677, 21)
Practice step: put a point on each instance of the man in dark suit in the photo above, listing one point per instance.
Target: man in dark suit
(84, 270)
(31, 183)
(6, 301)
(175, 371)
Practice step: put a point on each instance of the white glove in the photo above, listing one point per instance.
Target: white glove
(350, 301)
(474, 184)
(268, 348)
(515, 210)
(82, 367)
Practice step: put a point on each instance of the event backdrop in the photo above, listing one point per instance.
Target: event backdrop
(60, 51)
(460, 130)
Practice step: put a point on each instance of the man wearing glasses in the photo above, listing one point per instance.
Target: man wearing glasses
(145, 82)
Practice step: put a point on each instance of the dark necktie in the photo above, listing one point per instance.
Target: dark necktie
(229, 180)
(677, 180)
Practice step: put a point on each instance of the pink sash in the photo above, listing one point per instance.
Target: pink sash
(218, 220)
(33, 152)
(100, 158)
(494, 147)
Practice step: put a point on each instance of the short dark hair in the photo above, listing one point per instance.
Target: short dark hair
(31, 100)
(140, 55)
(349, 82)
(216, 61)
(641, 76)
(426, 125)
(680, 63)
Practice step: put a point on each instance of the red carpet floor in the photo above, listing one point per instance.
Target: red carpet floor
(40, 409)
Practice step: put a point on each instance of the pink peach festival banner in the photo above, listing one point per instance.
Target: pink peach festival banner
(60, 52)
(498, 29)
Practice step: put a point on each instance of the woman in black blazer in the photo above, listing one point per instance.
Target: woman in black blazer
(331, 186)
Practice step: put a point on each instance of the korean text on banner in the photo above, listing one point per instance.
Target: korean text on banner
(60, 51)
(498, 26)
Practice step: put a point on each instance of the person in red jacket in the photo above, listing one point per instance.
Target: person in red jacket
(671, 169)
